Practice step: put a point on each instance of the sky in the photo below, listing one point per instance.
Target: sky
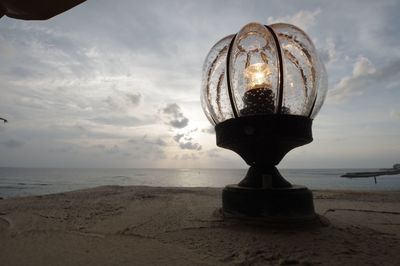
(117, 83)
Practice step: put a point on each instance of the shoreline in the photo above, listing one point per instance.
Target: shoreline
(394, 190)
(25, 182)
(115, 225)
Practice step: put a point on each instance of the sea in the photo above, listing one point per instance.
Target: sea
(20, 182)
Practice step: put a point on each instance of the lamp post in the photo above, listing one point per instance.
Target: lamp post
(261, 89)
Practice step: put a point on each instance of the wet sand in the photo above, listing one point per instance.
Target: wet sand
(183, 226)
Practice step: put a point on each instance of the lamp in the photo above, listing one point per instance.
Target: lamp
(261, 89)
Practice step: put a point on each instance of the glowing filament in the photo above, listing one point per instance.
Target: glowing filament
(257, 76)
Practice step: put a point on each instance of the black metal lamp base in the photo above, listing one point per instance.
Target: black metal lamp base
(262, 141)
(289, 204)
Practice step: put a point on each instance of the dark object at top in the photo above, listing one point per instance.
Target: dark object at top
(35, 9)
(5, 120)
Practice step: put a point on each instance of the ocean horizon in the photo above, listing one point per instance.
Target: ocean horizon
(19, 182)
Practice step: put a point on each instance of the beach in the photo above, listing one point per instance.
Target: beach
(137, 225)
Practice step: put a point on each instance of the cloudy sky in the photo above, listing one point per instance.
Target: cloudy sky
(116, 83)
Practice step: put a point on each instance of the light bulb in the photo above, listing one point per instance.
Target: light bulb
(257, 76)
(258, 97)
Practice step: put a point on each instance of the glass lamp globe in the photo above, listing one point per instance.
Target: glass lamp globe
(261, 89)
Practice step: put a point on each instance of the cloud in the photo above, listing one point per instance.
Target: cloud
(118, 120)
(178, 137)
(146, 140)
(21, 72)
(83, 130)
(139, 148)
(174, 116)
(363, 67)
(99, 146)
(329, 53)
(191, 156)
(158, 141)
(51, 55)
(213, 153)
(395, 114)
(12, 143)
(365, 75)
(147, 147)
(185, 141)
(110, 150)
(6, 49)
(115, 149)
(209, 130)
(60, 149)
(190, 146)
(122, 101)
(134, 98)
(304, 19)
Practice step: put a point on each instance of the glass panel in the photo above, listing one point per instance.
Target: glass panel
(322, 89)
(301, 69)
(206, 110)
(254, 71)
(215, 97)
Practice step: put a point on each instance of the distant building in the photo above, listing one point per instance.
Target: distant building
(396, 166)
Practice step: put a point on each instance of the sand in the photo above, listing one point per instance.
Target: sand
(183, 226)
